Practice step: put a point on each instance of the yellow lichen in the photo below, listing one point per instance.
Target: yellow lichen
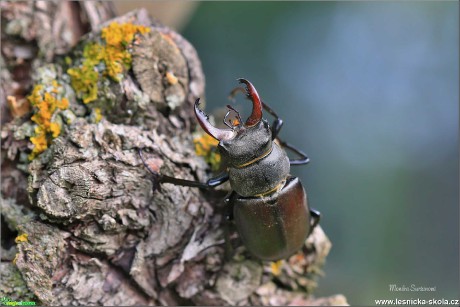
(120, 35)
(84, 78)
(113, 54)
(15, 258)
(68, 60)
(205, 146)
(21, 238)
(117, 38)
(40, 142)
(55, 129)
(45, 102)
(97, 115)
(276, 267)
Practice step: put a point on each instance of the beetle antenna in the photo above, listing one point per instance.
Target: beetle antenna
(237, 117)
(229, 121)
(237, 114)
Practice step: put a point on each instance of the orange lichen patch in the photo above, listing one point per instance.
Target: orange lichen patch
(18, 107)
(114, 55)
(297, 258)
(55, 129)
(117, 38)
(21, 238)
(276, 267)
(45, 103)
(205, 146)
(40, 142)
(171, 78)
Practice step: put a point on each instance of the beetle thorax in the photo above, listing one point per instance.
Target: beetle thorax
(249, 144)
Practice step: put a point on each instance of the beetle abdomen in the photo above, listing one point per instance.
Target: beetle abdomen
(261, 176)
(274, 227)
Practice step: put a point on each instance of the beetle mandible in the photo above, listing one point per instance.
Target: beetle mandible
(270, 207)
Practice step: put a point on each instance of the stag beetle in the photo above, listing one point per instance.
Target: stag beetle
(270, 207)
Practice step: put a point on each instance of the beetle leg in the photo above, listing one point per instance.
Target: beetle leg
(218, 180)
(211, 183)
(315, 217)
(303, 158)
(277, 123)
(228, 248)
(229, 251)
(276, 127)
(229, 205)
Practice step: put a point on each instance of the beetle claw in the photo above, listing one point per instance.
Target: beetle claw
(256, 115)
(203, 120)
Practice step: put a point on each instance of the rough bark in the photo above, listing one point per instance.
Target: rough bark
(100, 230)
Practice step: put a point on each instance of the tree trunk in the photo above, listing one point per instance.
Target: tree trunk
(92, 226)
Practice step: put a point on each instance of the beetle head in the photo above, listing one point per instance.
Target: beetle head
(240, 143)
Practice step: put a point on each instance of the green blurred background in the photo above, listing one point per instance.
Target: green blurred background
(371, 92)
